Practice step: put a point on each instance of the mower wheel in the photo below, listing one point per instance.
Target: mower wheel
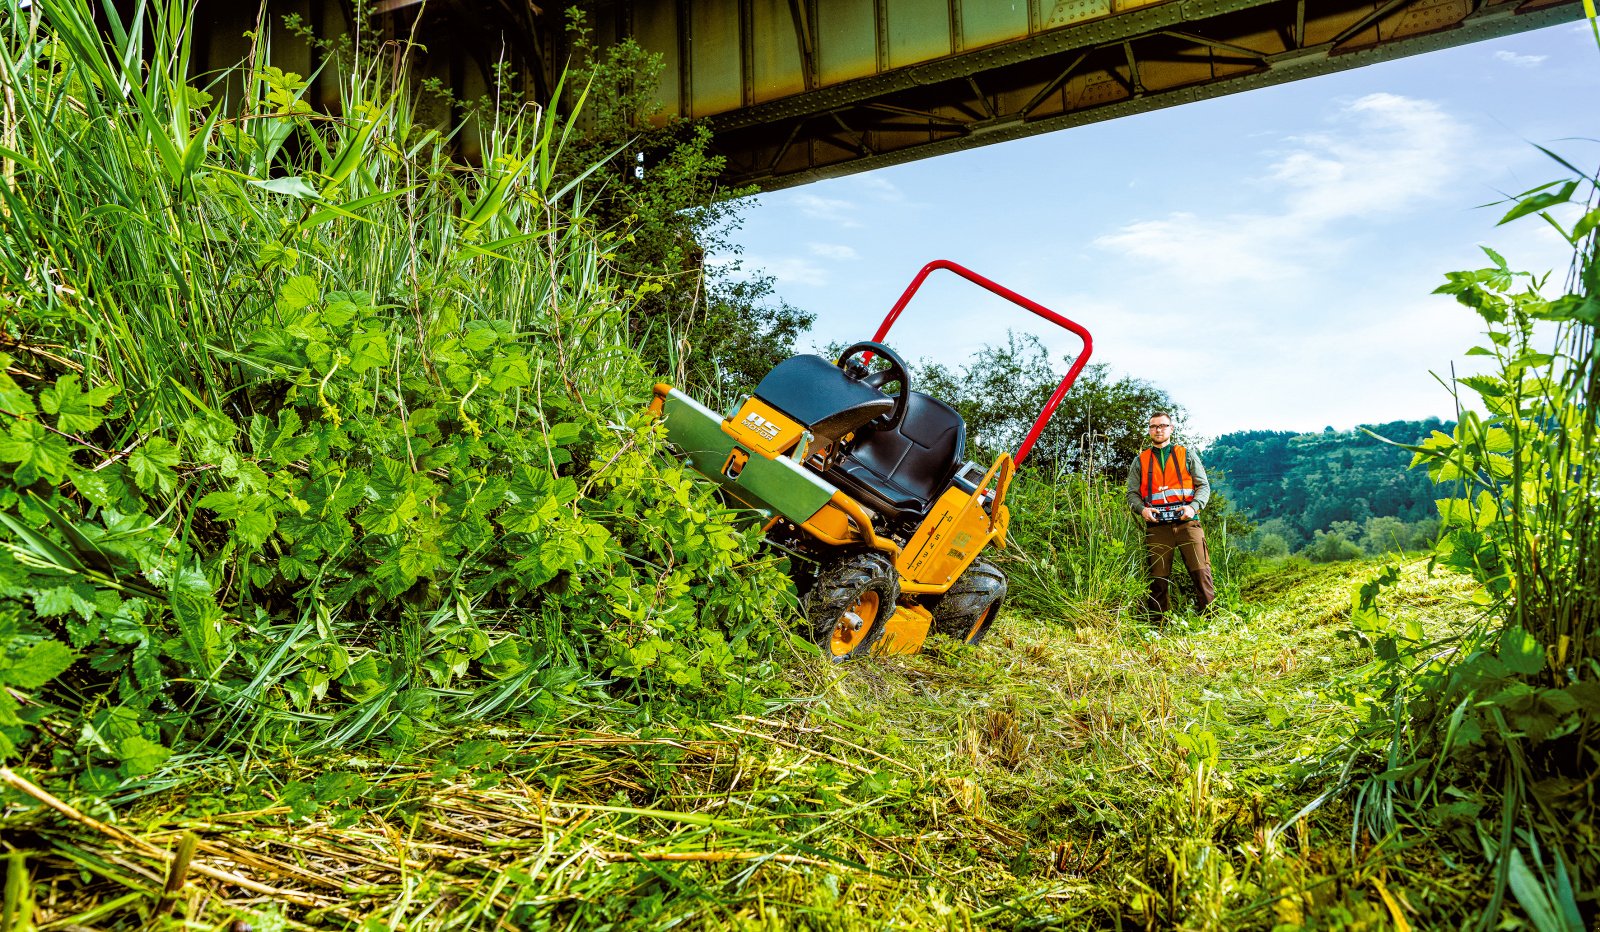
(849, 604)
(969, 608)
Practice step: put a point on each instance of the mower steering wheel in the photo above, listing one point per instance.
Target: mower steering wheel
(895, 373)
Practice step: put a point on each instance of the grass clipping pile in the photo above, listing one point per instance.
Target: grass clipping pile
(1055, 777)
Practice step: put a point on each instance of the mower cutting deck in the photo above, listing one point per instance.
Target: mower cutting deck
(869, 492)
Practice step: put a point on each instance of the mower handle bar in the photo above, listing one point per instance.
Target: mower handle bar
(1022, 302)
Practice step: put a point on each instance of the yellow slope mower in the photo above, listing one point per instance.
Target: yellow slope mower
(869, 492)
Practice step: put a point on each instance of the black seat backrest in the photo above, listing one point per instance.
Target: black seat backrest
(819, 395)
(922, 453)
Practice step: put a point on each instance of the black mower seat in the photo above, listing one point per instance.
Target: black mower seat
(819, 395)
(899, 473)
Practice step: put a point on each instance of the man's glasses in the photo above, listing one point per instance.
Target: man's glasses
(1160, 426)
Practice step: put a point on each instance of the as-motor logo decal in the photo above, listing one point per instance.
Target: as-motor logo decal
(761, 425)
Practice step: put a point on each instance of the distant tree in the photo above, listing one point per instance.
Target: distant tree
(1332, 547)
(1385, 534)
(1310, 481)
(1098, 429)
(1271, 546)
(1283, 529)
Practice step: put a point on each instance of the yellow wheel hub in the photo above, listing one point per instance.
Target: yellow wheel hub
(977, 626)
(853, 624)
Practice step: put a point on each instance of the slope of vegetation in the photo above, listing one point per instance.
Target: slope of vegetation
(343, 584)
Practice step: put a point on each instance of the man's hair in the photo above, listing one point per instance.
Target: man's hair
(1156, 414)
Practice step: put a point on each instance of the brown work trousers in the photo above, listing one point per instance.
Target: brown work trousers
(1189, 539)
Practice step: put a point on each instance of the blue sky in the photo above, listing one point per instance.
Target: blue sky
(1266, 257)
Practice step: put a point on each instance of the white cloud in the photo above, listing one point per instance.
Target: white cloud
(1384, 154)
(789, 270)
(1521, 61)
(835, 251)
(881, 188)
(1192, 247)
(1387, 153)
(830, 209)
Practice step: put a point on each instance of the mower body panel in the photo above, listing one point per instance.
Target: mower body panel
(907, 629)
(949, 540)
(731, 453)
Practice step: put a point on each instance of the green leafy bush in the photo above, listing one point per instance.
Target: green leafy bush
(1489, 739)
(1333, 546)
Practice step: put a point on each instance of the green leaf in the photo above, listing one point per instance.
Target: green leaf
(200, 621)
(1540, 201)
(74, 408)
(1486, 385)
(507, 372)
(152, 465)
(1584, 308)
(1496, 440)
(1488, 511)
(1537, 898)
(12, 397)
(1586, 695)
(282, 444)
(43, 662)
(101, 488)
(478, 339)
(340, 310)
(141, 756)
(1520, 651)
(293, 186)
(395, 502)
(253, 515)
(369, 349)
(298, 293)
(38, 453)
(1455, 512)
(565, 433)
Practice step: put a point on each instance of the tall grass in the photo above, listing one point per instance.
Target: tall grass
(344, 436)
(1073, 552)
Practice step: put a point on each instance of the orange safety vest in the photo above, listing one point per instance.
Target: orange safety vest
(1169, 485)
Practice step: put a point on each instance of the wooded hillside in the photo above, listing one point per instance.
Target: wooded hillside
(1294, 485)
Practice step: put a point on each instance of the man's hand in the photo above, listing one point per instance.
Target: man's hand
(1149, 516)
(1189, 512)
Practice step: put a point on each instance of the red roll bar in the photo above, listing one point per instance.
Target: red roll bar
(1004, 292)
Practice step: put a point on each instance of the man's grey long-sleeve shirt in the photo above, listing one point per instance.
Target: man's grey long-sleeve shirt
(1197, 469)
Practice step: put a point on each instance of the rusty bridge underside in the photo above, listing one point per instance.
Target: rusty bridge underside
(804, 89)
(797, 90)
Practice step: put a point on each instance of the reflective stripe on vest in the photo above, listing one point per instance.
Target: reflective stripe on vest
(1166, 485)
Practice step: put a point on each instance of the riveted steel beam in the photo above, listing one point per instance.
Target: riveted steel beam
(1289, 64)
(801, 89)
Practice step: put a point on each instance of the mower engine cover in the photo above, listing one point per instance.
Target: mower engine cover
(820, 396)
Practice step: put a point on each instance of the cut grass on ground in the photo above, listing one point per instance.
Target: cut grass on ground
(1115, 773)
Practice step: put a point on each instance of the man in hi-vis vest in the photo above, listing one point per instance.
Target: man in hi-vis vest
(1167, 487)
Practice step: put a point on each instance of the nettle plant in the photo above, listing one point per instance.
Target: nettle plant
(310, 434)
(1492, 734)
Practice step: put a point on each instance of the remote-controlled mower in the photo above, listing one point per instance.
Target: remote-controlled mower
(870, 493)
